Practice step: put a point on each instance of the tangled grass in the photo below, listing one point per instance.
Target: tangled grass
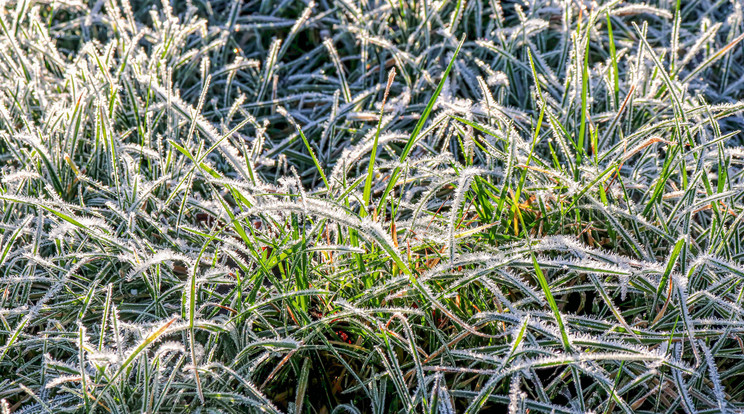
(371, 206)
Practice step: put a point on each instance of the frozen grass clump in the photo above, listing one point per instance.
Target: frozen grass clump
(371, 206)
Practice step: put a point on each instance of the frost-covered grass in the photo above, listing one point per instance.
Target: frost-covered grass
(371, 206)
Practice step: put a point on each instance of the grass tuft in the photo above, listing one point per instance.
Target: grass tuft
(371, 206)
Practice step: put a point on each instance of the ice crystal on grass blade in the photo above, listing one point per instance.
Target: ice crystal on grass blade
(231, 206)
